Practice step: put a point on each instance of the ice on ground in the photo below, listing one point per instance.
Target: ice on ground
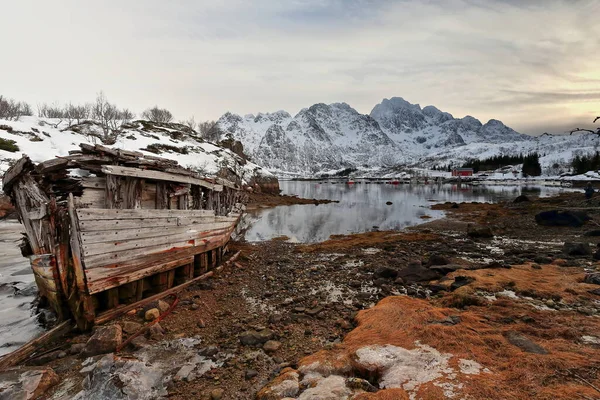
(409, 369)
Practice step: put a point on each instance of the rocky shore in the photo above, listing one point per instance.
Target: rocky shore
(489, 302)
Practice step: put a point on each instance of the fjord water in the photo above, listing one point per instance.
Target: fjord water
(362, 207)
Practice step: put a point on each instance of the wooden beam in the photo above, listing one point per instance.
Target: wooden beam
(112, 314)
(27, 350)
(23, 165)
(86, 214)
(158, 176)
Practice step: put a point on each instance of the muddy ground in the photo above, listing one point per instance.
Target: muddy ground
(486, 271)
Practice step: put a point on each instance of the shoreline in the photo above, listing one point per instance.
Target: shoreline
(283, 307)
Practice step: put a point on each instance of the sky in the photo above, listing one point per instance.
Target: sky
(532, 64)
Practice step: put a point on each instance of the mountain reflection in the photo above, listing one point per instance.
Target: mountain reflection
(362, 207)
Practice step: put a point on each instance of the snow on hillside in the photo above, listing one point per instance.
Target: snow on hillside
(335, 137)
(42, 139)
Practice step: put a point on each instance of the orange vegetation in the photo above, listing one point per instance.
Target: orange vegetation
(480, 336)
(368, 239)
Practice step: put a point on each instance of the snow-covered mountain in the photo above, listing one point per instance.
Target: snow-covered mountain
(335, 136)
(43, 138)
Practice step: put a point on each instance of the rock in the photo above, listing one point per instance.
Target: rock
(138, 342)
(152, 314)
(536, 266)
(436, 259)
(271, 346)
(389, 203)
(253, 338)
(446, 269)
(155, 332)
(163, 306)
(449, 321)
(573, 219)
(314, 311)
(521, 199)
(592, 277)
(76, 348)
(26, 382)
(105, 339)
(461, 281)
(415, 272)
(595, 291)
(130, 327)
(217, 394)
(194, 307)
(385, 272)
(577, 249)
(495, 264)
(361, 384)
(250, 374)
(524, 343)
(595, 232)
(46, 358)
(201, 324)
(208, 351)
(484, 232)
(454, 205)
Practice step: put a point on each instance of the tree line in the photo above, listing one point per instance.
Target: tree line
(586, 162)
(107, 115)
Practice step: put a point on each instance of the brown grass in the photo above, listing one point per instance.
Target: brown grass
(368, 239)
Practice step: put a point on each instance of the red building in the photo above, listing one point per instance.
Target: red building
(462, 172)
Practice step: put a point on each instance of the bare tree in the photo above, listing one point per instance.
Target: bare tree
(210, 131)
(156, 114)
(77, 113)
(191, 122)
(597, 131)
(109, 117)
(13, 110)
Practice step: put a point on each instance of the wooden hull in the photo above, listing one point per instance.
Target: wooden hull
(107, 242)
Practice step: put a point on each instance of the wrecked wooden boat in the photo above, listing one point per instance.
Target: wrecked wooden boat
(109, 229)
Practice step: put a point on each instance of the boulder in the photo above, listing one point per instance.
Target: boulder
(574, 219)
(524, 343)
(385, 272)
(577, 249)
(271, 346)
(446, 269)
(208, 351)
(163, 306)
(26, 382)
(253, 338)
(437, 259)
(105, 339)
(155, 332)
(130, 327)
(484, 232)
(521, 199)
(415, 272)
(593, 278)
(460, 281)
(152, 314)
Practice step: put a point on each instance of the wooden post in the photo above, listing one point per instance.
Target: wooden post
(81, 305)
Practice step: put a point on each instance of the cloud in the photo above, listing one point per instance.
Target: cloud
(518, 61)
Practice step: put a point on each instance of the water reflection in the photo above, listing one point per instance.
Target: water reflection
(362, 207)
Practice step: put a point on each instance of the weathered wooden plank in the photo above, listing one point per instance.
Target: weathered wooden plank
(27, 350)
(100, 214)
(159, 223)
(38, 212)
(91, 197)
(111, 314)
(127, 234)
(121, 256)
(92, 249)
(51, 165)
(115, 224)
(93, 182)
(113, 192)
(158, 175)
(101, 279)
(23, 165)
(86, 304)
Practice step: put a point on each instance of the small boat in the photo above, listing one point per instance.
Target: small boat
(107, 229)
(350, 183)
